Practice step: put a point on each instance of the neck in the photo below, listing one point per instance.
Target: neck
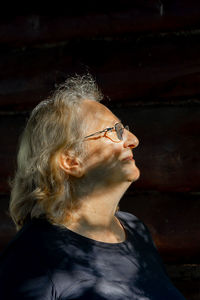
(96, 213)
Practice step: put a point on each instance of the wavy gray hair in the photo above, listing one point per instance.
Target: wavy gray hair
(40, 187)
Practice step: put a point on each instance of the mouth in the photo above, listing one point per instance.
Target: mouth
(128, 158)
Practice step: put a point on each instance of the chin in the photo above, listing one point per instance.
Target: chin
(134, 175)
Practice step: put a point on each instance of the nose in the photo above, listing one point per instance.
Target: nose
(130, 140)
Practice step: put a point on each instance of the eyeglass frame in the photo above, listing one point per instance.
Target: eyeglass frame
(109, 129)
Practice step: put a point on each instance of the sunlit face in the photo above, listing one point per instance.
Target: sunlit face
(107, 158)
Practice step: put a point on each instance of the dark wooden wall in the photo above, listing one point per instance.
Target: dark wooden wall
(145, 56)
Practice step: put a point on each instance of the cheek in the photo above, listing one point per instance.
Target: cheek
(118, 149)
(113, 150)
(102, 154)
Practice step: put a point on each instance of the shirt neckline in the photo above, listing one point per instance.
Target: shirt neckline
(76, 237)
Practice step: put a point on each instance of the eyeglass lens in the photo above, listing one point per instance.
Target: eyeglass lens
(120, 130)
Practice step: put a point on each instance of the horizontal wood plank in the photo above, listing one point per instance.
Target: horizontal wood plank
(136, 72)
(100, 20)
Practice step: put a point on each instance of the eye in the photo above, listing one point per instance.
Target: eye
(119, 130)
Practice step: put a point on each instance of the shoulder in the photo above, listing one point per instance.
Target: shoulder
(131, 220)
(23, 266)
(38, 243)
(135, 226)
(30, 260)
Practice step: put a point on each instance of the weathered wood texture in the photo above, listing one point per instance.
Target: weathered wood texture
(145, 57)
(148, 70)
(91, 20)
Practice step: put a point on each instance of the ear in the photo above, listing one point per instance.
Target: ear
(71, 165)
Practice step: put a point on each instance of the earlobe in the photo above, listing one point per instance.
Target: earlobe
(71, 165)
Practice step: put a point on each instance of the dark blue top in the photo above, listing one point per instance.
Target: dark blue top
(46, 261)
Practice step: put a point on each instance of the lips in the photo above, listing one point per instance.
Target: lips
(128, 158)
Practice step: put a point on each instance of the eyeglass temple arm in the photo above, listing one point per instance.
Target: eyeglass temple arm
(105, 130)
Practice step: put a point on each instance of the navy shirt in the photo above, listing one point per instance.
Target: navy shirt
(48, 262)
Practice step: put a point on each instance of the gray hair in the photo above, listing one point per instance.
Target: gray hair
(40, 187)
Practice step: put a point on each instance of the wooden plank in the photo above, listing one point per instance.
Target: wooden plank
(168, 154)
(102, 20)
(145, 71)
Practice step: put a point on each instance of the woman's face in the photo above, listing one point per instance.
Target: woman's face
(107, 158)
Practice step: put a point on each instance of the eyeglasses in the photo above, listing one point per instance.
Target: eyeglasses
(118, 127)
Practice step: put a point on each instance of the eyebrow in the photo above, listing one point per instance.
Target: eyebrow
(114, 122)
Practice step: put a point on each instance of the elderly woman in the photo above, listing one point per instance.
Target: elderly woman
(75, 162)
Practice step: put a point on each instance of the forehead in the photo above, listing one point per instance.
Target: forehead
(96, 112)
